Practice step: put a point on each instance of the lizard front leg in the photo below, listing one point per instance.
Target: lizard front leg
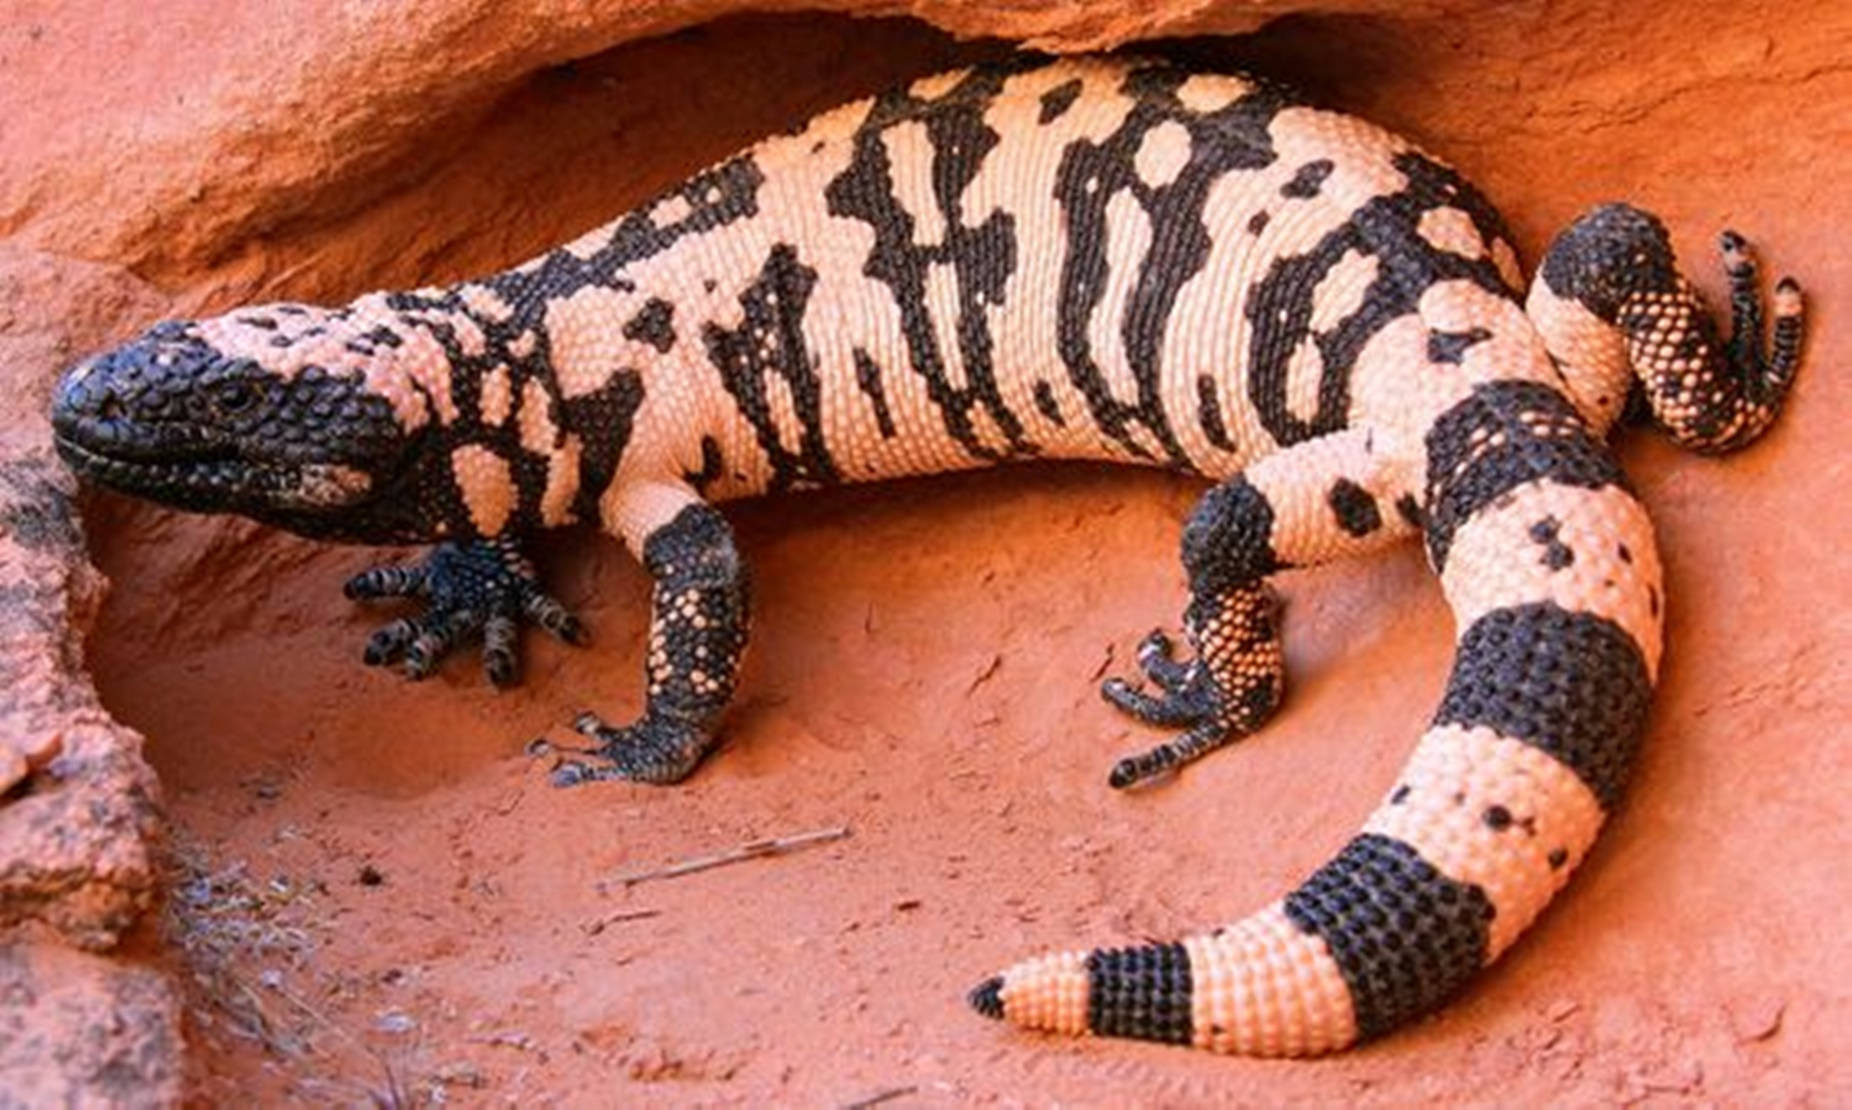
(698, 626)
(1316, 501)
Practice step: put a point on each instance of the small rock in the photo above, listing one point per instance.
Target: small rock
(459, 1074)
(13, 769)
(1756, 1019)
(1680, 1078)
(43, 749)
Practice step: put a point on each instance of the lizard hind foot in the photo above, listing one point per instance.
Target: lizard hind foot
(1186, 695)
(470, 588)
(1228, 690)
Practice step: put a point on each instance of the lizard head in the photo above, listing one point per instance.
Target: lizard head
(309, 419)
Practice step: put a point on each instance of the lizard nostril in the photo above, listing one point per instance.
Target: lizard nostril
(111, 407)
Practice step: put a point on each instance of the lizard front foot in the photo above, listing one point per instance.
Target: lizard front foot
(1227, 691)
(468, 587)
(656, 748)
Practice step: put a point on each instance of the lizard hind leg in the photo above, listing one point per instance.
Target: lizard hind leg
(1314, 502)
(1612, 306)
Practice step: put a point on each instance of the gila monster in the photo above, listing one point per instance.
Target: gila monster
(1081, 259)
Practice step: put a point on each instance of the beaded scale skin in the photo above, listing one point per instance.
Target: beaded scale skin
(1090, 258)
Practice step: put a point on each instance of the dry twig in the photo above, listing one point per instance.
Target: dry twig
(594, 927)
(752, 849)
(880, 1097)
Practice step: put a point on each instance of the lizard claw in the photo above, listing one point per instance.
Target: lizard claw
(656, 748)
(1226, 691)
(476, 587)
(1185, 696)
(1157, 658)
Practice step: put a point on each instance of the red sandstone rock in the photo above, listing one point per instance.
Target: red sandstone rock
(187, 150)
(79, 802)
(79, 1030)
(258, 151)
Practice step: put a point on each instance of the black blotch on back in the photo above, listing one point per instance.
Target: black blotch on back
(1056, 101)
(602, 421)
(980, 248)
(712, 466)
(1308, 179)
(1046, 404)
(868, 377)
(1450, 346)
(710, 199)
(653, 324)
(1279, 309)
(770, 340)
(1091, 175)
(1354, 508)
(1209, 413)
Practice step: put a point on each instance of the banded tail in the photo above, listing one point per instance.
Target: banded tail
(1548, 563)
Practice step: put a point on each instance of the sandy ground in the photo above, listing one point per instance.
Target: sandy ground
(380, 892)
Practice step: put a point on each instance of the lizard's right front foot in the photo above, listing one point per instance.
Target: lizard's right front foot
(468, 587)
(657, 748)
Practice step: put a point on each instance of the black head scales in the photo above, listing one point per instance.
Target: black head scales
(186, 418)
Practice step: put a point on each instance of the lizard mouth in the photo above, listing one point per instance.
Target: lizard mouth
(209, 480)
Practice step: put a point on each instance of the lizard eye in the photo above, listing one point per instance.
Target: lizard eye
(234, 397)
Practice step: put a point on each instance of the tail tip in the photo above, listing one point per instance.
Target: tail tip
(987, 997)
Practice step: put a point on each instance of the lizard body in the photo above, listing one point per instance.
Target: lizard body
(1089, 258)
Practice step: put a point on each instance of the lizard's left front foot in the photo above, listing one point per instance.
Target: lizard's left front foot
(469, 587)
(657, 748)
(1229, 689)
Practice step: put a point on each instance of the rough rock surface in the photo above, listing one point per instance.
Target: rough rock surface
(383, 894)
(188, 152)
(80, 1030)
(80, 802)
(78, 818)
